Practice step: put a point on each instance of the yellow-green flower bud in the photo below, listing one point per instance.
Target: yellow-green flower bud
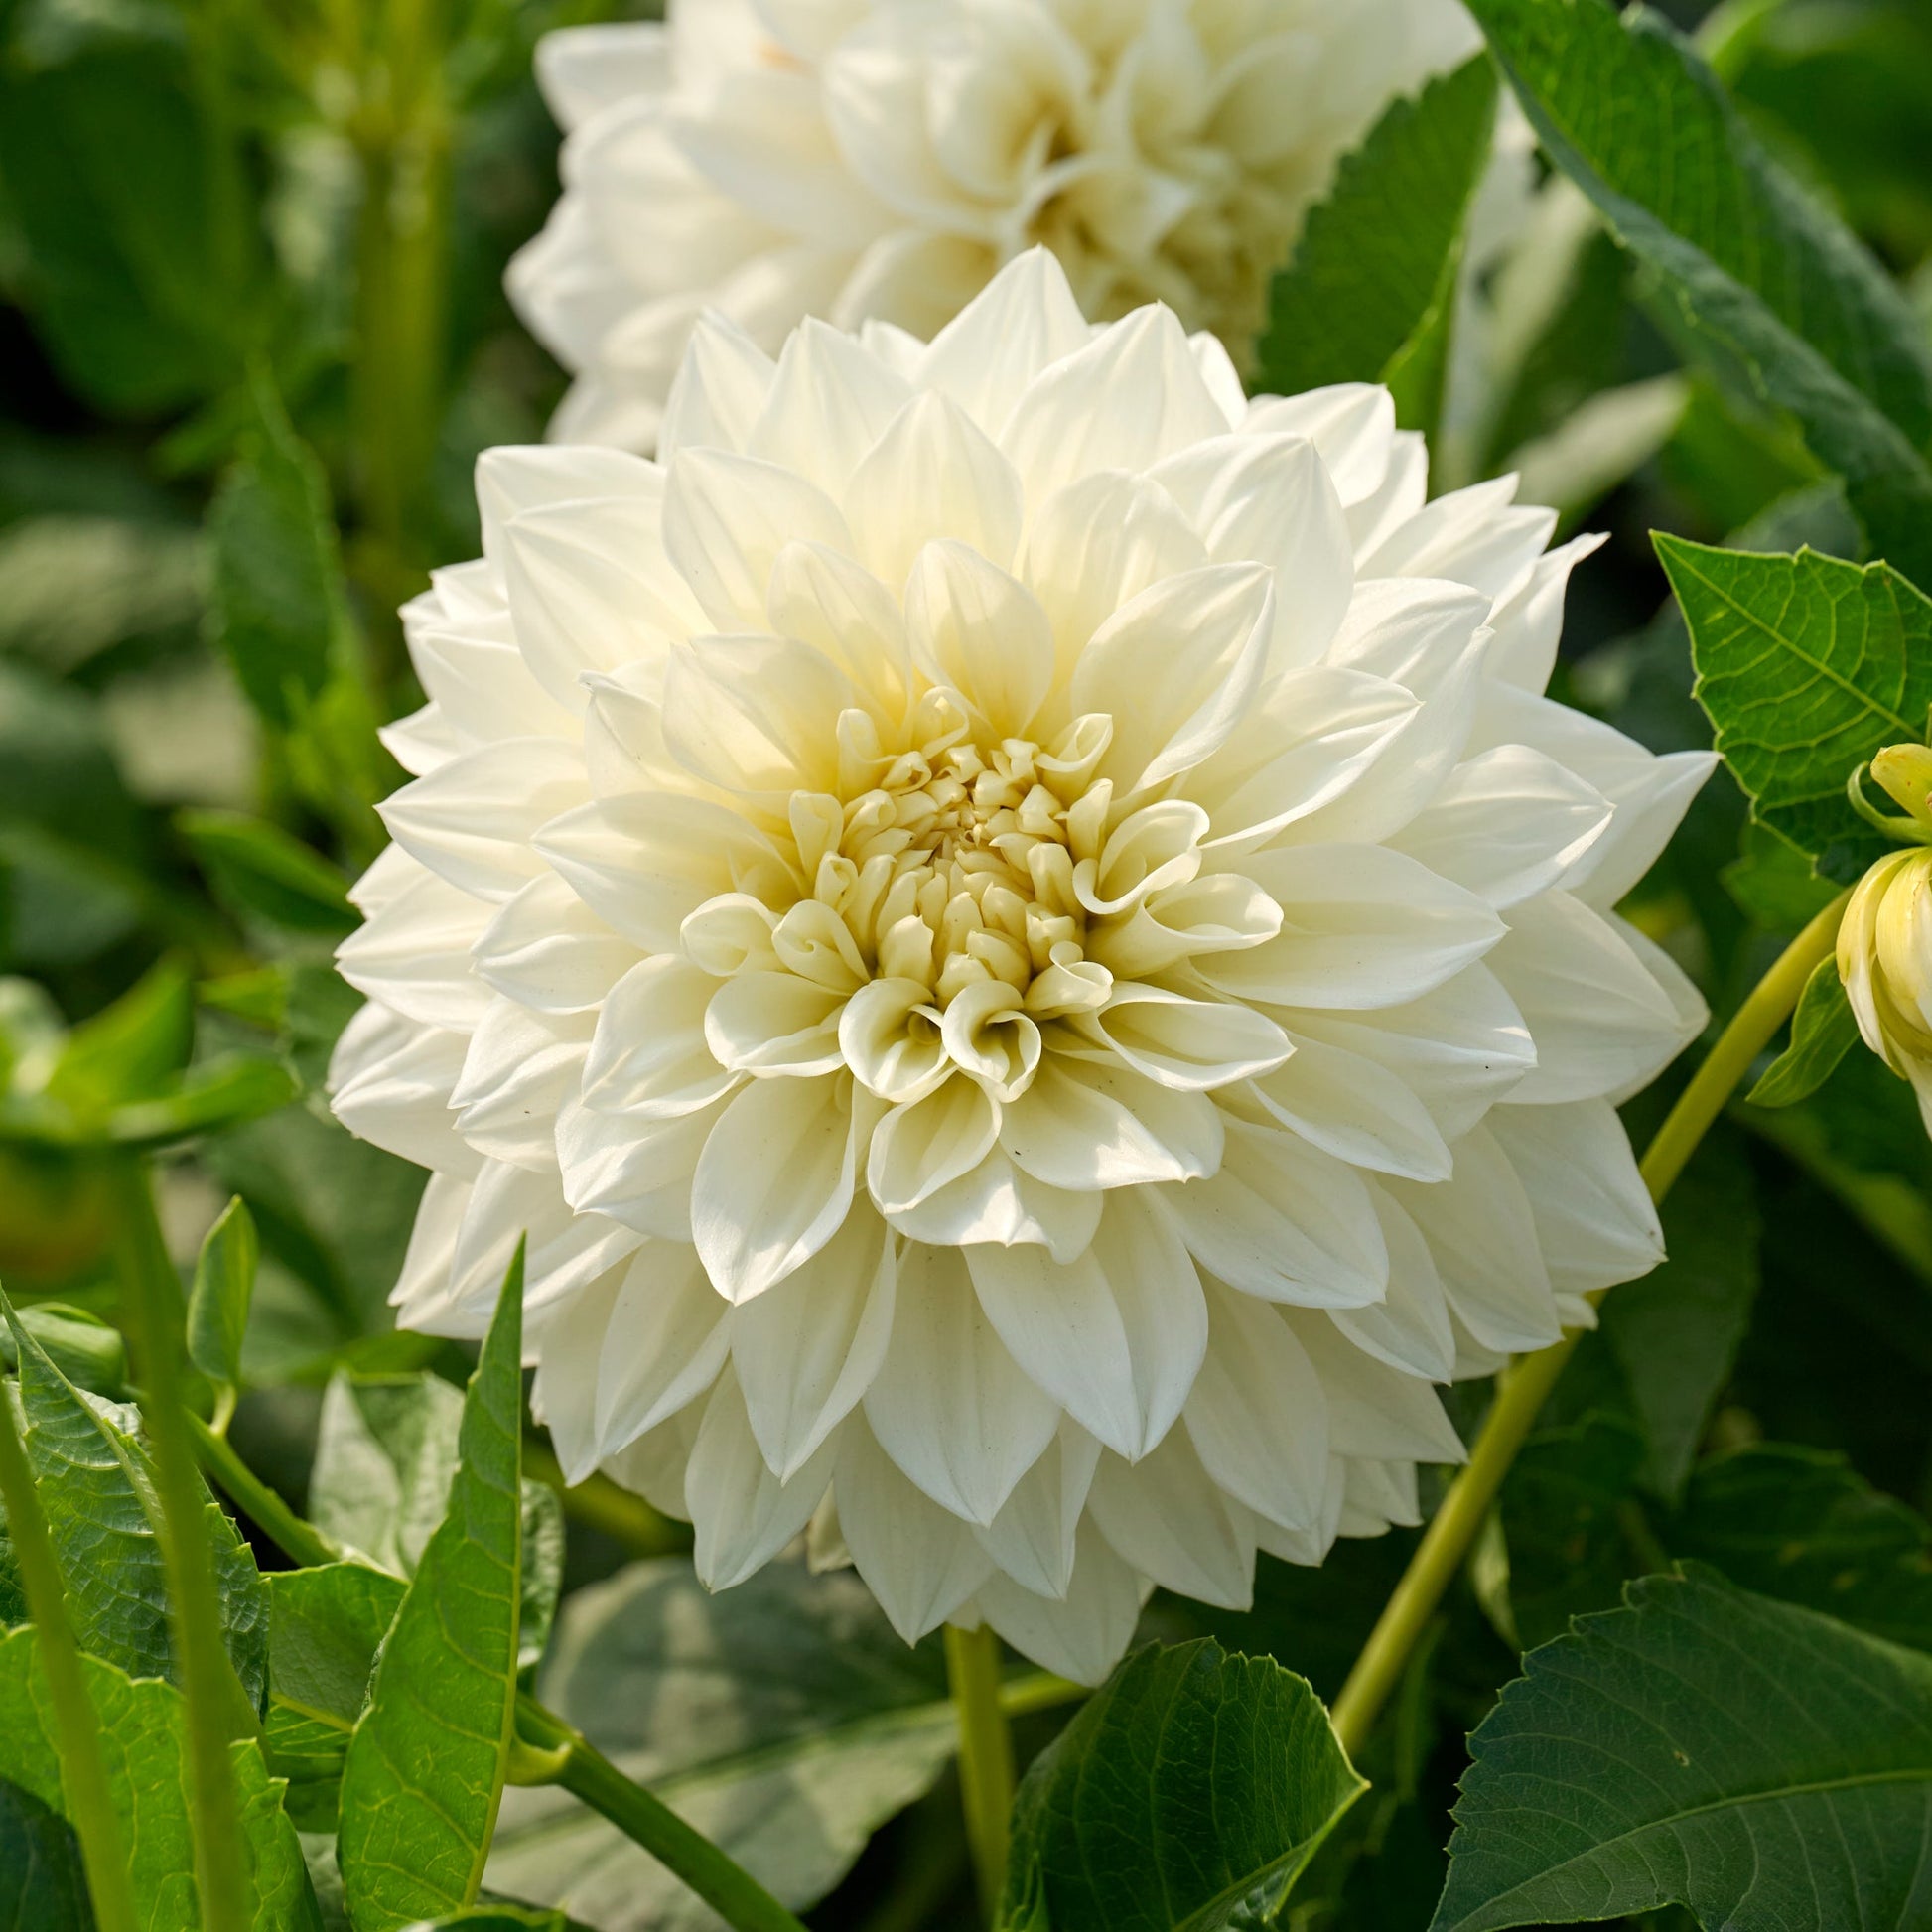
(1905, 771)
(1884, 958)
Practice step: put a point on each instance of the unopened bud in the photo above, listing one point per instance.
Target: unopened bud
(1884, 958)
(1905, 771)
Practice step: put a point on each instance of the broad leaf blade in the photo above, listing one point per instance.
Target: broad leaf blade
(1753, 276)
(782, 1717)
(1368, 295)
(96, 1491)
(425, 1769)
(143, 1731)
(42, 1883)
(265, 875)
(1807, 666)
(1108, 1826)
(1823, 1030)
(1768, 1767)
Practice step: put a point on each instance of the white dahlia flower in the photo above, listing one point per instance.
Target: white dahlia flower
(1017, 933)
(881, 159)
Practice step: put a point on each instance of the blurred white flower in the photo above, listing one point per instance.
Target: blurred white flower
(1018, 932)
(1885, 941)
(862, 158)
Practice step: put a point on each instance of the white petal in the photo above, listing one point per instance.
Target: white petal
(720, 387)
(1374, 1410)
(650, 1056)
(1082, 1637)
(1035, 1535)
(1025, 321)
(844, 612)
(982, 632)
(414, 953)
(390, 1083)
(1188, 1044)
(756, 714)
(773, 1182)
(547, 950)
(584, 68)
(1168, 1518)
(1352, 424)
(1356, 1109)
(950, 1406)
(512, 479)
(634, 1170)
(1410, 1328)
(829, 403)
(517, 1071)
(742, 1513)
(663, 1347)
(921, 1146)
(774, 1023)
(997, 1202)
(1473, 536)
(1086, 1127)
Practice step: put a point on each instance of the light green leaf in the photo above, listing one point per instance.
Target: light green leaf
(1370, 291)
(131, 1051)
(1768, 1767)
(277, 601)
(1823, 1030)
(425, 1769)
(217, 1303)
(325, 1625)
(143, 1731)
(1752, 275)
(219, 1093)
(782, 1717)
(265, 875)
(1807, 666)
(1676, 1331)
(84, 1347)
(96, 1489)
(1111, 1824)
(42, 1883)
(1802, 1526)
(386, 1456)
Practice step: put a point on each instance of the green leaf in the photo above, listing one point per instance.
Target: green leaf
(1675, 1332)
(783, 1719)
(1802, 1526)
(1823, 1030)
(1756, 279)
(84, 1347)
(277, 602)
(73, 587)
(386, 1456)
(217, 1303)
(42, 1883)
(131, 1051)
(1369, 294)
(96, 1489)
(497, 1918)
(143, 1732)
(1113, 1814)
(425, 1769)
(218, 1094)
(325, 1626)
(1806, 667)
(265, 875)
(1765, 1766)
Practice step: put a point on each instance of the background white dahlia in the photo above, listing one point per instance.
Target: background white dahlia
(864, 159)
(1020, 934)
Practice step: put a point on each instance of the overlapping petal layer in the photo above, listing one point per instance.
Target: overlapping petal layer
(1019, 934)
(881, 159)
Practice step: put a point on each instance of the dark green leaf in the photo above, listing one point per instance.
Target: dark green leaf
(277, 601)
(1369, 294)
(386, 1456)
(217, 1303)
(133, 1049)
(96, 1488)
(1114, 1816)
(425, 1769)
(42, 1884)
(782, 1717)
(1808, 666)
(1765, 1766)
(84, 1348)
(264, 873)
(1823, 1030)
(1802, 1526)
(1675, 1332)
(324, 1628)
(1757, 279)
(143, 1735)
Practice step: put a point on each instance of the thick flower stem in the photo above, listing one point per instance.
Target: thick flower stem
(985, 1756)
(1523, 1388)
(218, 1710)
(76, 1724)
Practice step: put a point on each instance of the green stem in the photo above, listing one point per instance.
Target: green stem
(587, 1774)
(985, 1757)
(217, 1709)
(76, 1724)
(258, 1502)
(1524, 1387)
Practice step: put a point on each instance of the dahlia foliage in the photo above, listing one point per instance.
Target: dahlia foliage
(1020, 936)
(858, 159)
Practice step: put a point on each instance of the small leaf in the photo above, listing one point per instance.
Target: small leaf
(217, 1303)
(131, 1051)
(42, 1883)
(221, 1093)
(425, 1769)
(96, 1489)
(1369, 293)
(261, 873)
(1753, 277)
(1703, 1747)
(1808, 668)
(84, 1347)
(143, 1732)
(1113, 1817)
(1823, 1030)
